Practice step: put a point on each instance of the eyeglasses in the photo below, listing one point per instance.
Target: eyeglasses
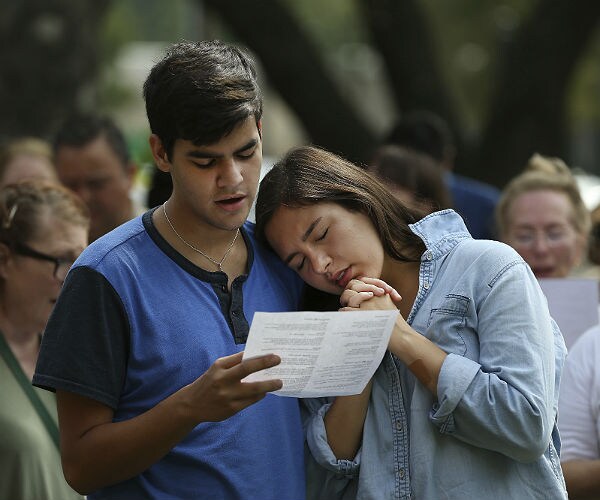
(551, 238)
(61, 266)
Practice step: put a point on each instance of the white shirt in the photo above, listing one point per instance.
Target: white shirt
(579, 401)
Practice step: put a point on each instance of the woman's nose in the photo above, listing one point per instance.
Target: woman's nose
(540, 244)
(321, 263)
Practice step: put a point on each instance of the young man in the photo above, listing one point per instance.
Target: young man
(144, 345)
(92, 159)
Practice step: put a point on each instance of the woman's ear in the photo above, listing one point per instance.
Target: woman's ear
(5, 260)
(159, 153)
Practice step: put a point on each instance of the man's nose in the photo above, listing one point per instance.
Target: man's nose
(230, 173)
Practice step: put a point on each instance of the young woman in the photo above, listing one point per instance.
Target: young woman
(464, 403)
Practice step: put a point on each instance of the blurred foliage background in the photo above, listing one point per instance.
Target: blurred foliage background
(511, 77)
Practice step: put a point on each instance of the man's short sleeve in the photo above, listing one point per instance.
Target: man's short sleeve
(86, 341)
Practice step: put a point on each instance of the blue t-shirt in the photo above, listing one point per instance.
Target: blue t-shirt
(136, 321)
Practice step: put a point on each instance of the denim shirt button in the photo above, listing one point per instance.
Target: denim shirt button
(429, 256)
(401, 473)
(426, 285)
(399, 425)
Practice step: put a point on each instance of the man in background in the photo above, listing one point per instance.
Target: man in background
(427, 133)
(92, 159)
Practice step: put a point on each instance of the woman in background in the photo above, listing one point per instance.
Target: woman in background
(542, 216)
(43, 228)
(26, 158)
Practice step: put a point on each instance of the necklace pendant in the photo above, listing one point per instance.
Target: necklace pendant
(219, 264)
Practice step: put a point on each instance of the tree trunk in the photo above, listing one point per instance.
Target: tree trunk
(527, 107)
(400, 32)
(48, 53)
(297, 72)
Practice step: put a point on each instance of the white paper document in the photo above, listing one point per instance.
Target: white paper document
(322, 353)
(573, 303)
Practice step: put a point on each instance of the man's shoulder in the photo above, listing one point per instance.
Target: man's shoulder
(466, 187)
(112, 243)
(262, 252)
(266, 263)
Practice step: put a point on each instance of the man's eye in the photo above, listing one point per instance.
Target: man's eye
(322, 237)
(207, 164)
(97, 184)
(301, 265)
(247, 154)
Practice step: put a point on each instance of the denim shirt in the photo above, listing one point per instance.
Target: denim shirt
(491, 431)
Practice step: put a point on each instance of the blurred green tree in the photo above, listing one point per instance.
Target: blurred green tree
(49, 59)
(501, 73)
(525, 108)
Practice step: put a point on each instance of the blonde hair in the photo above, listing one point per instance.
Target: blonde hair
(21, 205)
(24, 146)
(544, 173)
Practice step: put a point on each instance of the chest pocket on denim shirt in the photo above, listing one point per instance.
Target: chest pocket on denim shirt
(447, 322)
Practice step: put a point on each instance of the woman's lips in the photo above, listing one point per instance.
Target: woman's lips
(344, 277)
(544, 273)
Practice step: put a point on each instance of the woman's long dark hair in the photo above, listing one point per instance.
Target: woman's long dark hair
(308, 175)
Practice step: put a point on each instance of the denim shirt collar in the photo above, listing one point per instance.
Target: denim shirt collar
(440, 231)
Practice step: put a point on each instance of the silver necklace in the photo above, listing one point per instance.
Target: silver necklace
(217, 263)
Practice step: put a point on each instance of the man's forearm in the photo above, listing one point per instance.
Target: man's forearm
(111, 452)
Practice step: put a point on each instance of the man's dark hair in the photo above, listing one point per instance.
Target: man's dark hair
(81, 128)
(200, 91)
(424, 132)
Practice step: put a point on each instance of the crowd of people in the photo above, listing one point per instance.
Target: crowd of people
(122, 328)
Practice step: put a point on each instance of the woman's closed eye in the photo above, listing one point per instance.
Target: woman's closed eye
(301, 265)
(322, 237)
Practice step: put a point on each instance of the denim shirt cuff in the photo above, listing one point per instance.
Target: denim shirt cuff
(456, 375)
(316, 437)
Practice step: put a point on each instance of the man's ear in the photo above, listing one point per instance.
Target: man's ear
(259, 127)
(130, 171)
(159, 153)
